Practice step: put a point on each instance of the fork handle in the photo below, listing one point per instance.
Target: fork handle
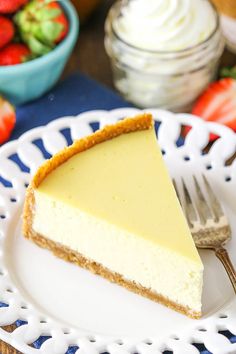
(223, 256)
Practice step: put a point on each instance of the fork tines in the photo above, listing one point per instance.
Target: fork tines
(202, 211)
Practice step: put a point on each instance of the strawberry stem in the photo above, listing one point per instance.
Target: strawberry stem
(228, 72)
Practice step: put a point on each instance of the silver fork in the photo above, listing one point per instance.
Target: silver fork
(208, 223)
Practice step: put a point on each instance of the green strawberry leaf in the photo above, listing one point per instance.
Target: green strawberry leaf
(51, 31)
(37, 47)
(46, 32)
(47, 14)
(22, 22)
(17, 18)
(228, 72)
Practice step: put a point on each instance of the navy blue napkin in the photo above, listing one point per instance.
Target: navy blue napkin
(72, 96)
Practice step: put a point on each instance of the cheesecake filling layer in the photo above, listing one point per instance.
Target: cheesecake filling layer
(139, 260)
(125, 182)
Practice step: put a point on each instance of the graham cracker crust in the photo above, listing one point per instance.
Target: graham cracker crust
(128, 125)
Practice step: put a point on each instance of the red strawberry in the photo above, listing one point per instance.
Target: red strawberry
(14, 53)
(7, 120)
(42, 24)
(10, 6)
(7, 31)
(218, 103)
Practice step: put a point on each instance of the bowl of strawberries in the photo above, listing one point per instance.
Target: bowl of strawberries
(36, 40)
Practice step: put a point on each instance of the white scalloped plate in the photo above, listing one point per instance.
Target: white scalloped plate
(76, 308)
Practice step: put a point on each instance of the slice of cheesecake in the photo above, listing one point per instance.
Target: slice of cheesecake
(107, 204)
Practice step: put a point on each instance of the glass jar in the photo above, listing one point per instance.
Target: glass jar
(165, 79)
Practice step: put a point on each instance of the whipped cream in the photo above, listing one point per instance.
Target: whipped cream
(165, 25)
(164, 53)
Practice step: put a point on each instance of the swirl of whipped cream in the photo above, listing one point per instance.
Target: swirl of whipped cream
(165, 25)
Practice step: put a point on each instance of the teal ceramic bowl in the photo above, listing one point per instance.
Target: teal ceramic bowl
(25, 82)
